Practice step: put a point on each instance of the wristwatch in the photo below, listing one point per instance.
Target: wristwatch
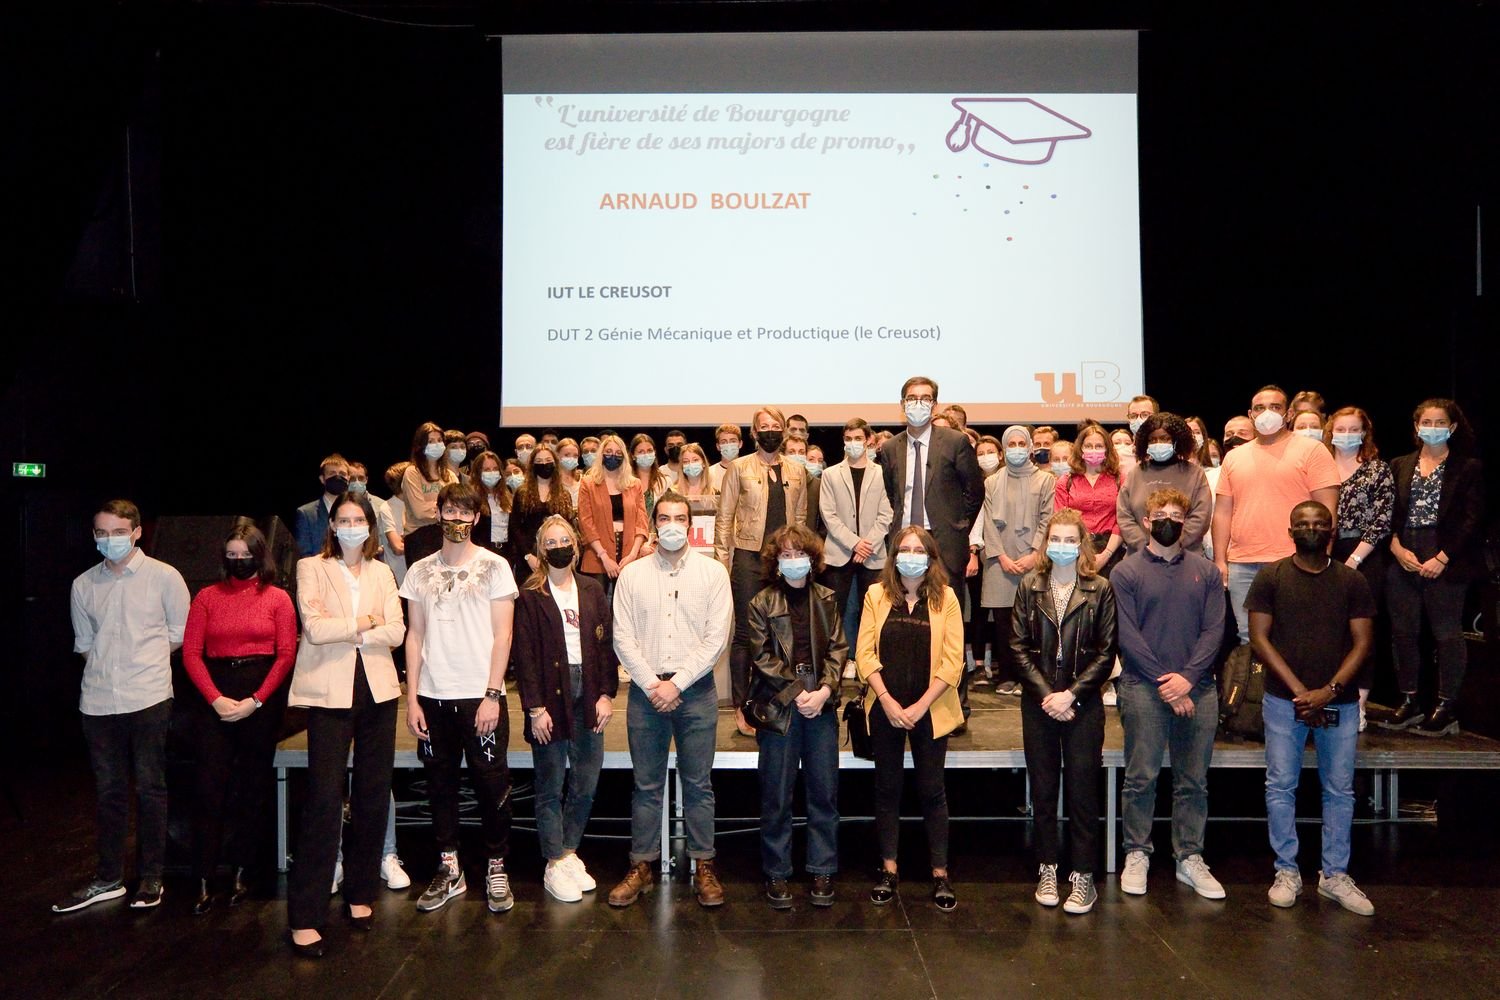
(258, 702)
(494, 694)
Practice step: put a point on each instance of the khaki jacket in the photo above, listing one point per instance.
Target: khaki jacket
(741, 522)
(324, 674)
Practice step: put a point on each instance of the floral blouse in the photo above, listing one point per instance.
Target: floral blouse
(1426, 494)
(1366, 501)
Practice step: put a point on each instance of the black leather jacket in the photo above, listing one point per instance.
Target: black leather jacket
(770, 623)
(1088, 636)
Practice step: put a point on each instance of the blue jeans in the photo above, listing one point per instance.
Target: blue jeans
(815, 742)
(1241, 575)
(693, 724)
(1286, 739)
(559, 828)
(1150, 728)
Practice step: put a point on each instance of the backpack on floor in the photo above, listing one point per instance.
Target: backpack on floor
(1242, 687)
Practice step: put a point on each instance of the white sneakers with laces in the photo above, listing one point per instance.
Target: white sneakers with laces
(1046, 886)
(1341, 889)
(557, 879)
(1193, 870)
(1286, 888)
(393, 873)
(1133, 877)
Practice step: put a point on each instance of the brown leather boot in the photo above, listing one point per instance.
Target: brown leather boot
(706, 884)
(639, 879)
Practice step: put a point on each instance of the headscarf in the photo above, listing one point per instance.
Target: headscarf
(1015, 506)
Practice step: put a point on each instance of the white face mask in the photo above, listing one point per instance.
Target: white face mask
(918, 414)
(489, 479)
(671, 536)
(1268, 422)
(854, 449)
(434, 451)
(352, 537)
(457, 455)
(989, 461)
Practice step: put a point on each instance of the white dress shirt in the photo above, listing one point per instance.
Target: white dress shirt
(127, 626)
(672, 620)
(912, 440)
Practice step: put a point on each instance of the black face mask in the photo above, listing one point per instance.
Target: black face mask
(1311, 541)
(1166, 532)
(544, 470)
(1231, 443)
(768, 441)
(240, 569)
(1042, 456)
(674, 453)
(560, 557)
(336, 486)
(613, 462)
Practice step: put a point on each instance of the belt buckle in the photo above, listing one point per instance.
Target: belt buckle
(803, 669)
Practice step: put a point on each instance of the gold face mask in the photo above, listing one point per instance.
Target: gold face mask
(457, 531)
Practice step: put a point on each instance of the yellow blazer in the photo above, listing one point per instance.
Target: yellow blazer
(947, 653)
(324, 674)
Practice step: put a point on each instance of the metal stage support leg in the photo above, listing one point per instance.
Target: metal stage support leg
(1377, 799)
(678, 818)
(1392, 797)
(666, 824)
(1111, 811)
(283, 863)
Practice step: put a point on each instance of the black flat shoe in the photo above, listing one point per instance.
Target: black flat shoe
(942, 895)
(1440, 722)
(365, 923)
(314, 950)
(205, 901)
(884, 889)
(1406, 715)
(241, 889)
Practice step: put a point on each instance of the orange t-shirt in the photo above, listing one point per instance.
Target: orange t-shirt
(1264, 482)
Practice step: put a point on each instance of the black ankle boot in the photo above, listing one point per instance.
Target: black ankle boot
(1442, 721)
(205, 898)
(241, 889)
(1408, 714)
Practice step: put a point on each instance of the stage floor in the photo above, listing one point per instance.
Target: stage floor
(993, 740)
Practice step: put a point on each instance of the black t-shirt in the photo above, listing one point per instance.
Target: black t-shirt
(775, 500)
(906, 651)
(797, 605)
(859, 480)
(1310, 615)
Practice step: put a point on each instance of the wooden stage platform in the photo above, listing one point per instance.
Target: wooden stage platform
(993, 740)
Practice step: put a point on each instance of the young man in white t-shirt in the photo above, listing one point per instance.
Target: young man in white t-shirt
(461, 604)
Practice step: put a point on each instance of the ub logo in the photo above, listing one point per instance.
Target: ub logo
(1094, 382)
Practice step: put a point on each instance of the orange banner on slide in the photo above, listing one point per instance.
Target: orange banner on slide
(886, 413)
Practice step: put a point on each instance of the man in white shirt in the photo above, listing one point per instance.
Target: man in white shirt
(128, 614)
(672, 611)
(460, 608)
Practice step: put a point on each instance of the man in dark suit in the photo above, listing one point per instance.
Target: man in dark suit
(932, 478)
(312, 518)
(947, 481)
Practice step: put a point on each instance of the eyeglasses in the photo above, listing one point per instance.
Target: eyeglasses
(1161, 516)
(919, 399)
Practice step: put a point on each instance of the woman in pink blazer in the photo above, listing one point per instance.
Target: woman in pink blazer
(345, 678)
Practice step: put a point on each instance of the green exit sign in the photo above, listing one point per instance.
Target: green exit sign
(28, 470)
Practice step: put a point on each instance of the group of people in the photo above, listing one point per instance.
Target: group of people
(1093, 563)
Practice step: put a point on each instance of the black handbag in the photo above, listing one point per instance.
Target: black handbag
(859, 728)
(772, 715)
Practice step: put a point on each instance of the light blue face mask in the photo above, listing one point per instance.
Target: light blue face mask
(1315, 433)
(1136, 423)
(917, 414)
(729, 452)
(1017, 457)
(569, 463)
(114, 547)
(692, 469)
(589, 458)
(1062, 553)
(854, 449)
(489, 479)
(1348, 442)
(815, 469)
(358, 486)
(645, 460)
(1434, 435)
(514, 482)
(1162, 451)
(795, 567)
(1060, 468)
(799, 459)
(433, 450)
(911, 564)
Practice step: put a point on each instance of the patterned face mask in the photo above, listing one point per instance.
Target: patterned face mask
(457, 531)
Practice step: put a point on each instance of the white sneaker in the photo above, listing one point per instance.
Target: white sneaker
(1285, 890)
(338, 878)
(581, 876)
(1133, 878)
(395, 876)
(557, 879)
(1193, 870)
(1110, 698)
(1342, 889)
(850, 671)
(1046, 886)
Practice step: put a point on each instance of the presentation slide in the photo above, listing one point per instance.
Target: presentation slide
(683, 253)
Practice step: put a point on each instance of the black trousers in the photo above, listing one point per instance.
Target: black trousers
(450, 726)
(122, 747)
(746, 579)
(928, 755)
(975, 633)
(1077, 746)
(1002, 660)
(371, 727)
(233, 779)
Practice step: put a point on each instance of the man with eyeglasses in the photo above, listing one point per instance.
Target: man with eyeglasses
(1259, 484)
(129, 613)
(672, 612)
(1169, 608)
(932, 479)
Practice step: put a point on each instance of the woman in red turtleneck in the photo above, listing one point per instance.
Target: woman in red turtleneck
(238, 649)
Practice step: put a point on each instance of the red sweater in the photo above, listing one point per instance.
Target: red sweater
(240, 618)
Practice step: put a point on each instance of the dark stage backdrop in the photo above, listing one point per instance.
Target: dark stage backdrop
(297, 248)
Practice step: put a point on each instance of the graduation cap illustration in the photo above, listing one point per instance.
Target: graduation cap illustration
(1013, 129)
